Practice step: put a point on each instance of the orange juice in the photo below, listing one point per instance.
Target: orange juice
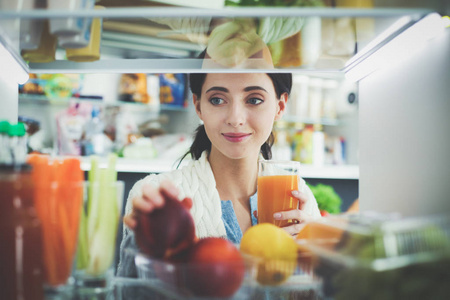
(274, 195)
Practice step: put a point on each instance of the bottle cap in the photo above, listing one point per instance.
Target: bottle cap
(4, 127)
(17, 129)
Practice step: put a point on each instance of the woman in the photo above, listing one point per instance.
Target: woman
(238, 112)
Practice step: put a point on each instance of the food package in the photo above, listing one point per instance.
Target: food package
(378, 256)
(173, 89)
(70, 124)
(301, 49)
(133, 88)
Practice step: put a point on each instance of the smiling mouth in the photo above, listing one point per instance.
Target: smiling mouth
(235, 137)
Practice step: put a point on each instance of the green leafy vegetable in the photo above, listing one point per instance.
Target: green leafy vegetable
(327, 198)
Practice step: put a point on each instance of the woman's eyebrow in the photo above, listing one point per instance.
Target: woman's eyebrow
(218, 88)
(251, 88)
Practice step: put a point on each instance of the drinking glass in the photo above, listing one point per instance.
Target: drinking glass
(276, 181)
(58, 205)
(97, 237)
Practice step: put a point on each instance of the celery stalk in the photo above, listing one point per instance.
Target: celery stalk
(87, 224)
(103, 239)
(93, 196)
(83, 249)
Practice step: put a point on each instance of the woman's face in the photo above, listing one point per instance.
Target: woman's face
(238, 111)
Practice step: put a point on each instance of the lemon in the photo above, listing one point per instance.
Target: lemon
(276, 250)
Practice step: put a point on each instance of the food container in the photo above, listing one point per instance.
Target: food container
(381, 256)
(173, 280)
(180, 279)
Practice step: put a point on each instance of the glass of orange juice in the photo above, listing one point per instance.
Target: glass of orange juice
(276, 181)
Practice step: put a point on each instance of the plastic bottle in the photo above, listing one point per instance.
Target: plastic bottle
(318, 146)
(282, 149)
(306, 151)
(315, 98)
(94, 139)
(17, 143)
(297, 137)
(5, 154)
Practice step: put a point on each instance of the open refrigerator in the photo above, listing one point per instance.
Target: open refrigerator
(399, 58)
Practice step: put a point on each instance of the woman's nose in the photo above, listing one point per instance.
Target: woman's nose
(236, 116)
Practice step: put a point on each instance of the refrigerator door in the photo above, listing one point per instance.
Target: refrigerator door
(404, 133)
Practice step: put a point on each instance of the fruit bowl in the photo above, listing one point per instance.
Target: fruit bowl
(175, 279)
(198, 280)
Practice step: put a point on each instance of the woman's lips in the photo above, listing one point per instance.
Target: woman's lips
(235, 137)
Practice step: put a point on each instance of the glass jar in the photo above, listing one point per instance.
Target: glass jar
(21, 274)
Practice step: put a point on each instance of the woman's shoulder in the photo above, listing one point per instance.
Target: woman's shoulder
(180, 177)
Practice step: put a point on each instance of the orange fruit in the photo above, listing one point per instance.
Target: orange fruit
(275, 252)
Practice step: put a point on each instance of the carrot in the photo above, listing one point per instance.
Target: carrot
(70, 203)
(74, 201)
(41, 178)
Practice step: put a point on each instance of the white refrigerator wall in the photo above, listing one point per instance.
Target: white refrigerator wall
(404, 134)
(9, 97)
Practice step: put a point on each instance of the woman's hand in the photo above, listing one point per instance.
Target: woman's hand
(151, 199)
(297, 215)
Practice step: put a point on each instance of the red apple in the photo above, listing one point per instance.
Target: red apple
(216, 268)
(166, 230)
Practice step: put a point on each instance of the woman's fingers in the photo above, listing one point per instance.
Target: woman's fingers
(169, 188)
(293, 229)
(299, 218)
(303, 199)
(151, 199)
(130, 221)
(297, 215)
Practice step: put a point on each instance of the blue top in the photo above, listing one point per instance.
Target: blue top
(234, 232)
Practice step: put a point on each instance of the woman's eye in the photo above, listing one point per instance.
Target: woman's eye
(255, 101)
(216, 101)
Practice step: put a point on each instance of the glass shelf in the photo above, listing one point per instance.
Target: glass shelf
(43, 99)
(320, 121)
(172, 39)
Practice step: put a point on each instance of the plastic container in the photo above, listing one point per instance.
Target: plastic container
(173, 279)
(91, 52)
(176, 278)
(381, 256)
(46, 50)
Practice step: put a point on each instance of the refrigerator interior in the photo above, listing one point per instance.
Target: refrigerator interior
(402, 118)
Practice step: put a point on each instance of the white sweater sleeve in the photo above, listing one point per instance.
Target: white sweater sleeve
(311, 206)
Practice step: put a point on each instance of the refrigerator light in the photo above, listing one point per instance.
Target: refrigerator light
(400, 48)
(11, 69)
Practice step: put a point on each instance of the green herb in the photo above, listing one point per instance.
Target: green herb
(327, 198)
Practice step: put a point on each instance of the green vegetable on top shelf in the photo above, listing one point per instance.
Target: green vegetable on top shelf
(327, 199)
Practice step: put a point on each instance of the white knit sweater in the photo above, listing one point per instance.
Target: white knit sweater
(196, 180)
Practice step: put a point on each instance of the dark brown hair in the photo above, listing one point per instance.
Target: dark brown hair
(282, 83)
